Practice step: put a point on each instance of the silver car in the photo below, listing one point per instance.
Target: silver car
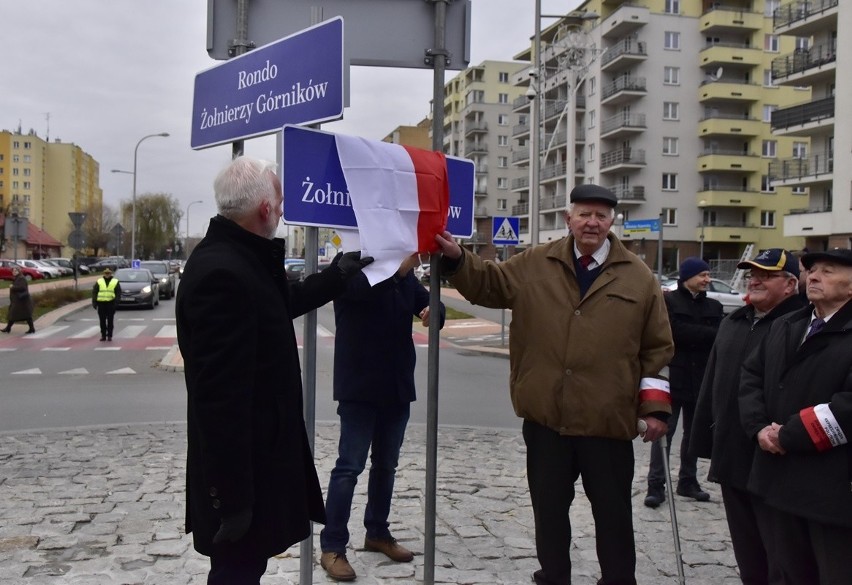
(718, 289)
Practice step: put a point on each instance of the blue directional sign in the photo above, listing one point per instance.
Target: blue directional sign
(642, 226)
(316, 194)
(296, 80)
(504, 231)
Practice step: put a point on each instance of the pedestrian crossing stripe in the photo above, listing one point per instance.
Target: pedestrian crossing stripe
(27, 372)
(76, 372)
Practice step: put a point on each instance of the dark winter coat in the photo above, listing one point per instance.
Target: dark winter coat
(247, 445)
(717, 433)
(20, 301)
(780, 382)
(694, 321)
(374, 354)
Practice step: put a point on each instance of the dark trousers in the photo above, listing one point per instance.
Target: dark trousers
(688, 465)
(377, 429)
(811, 552)
(230, 568)
(29, 322)
(751, 536)
(554, 462)
(106, 316)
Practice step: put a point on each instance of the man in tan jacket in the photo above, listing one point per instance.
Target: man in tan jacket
(589, 337)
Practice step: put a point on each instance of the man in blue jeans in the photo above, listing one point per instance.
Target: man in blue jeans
(374, 361)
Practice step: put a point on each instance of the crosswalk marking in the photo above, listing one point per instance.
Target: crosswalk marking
(76, 372)
(123, 371)
(167, 331)
(47, 331)
(108, 348)
(27, 372)
(55, 348)
(130, 331)
(323, 332)
(88, 332)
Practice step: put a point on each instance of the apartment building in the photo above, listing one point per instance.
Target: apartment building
(44, 181)
(668, 103)
(820, 164)
(478, 126)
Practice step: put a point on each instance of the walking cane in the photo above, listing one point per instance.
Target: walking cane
(664, 444)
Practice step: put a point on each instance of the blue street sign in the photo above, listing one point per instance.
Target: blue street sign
(296, 80)
(316, 194)
(136, 263)
(642, 226)
(504, 231)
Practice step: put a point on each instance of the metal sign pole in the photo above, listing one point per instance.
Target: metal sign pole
(503, 311)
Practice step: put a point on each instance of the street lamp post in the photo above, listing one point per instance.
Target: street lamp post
(133, 209)
(187, 217)
(701, 205)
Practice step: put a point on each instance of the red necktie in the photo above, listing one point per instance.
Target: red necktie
(585, 261)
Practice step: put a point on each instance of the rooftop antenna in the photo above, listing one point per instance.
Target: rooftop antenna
(47, 117)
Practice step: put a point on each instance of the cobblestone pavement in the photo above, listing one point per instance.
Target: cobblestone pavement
(104, 505)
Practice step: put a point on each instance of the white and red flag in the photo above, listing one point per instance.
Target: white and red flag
(400, 196)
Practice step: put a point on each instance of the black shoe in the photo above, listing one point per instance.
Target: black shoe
(30, 331)
(109, 337)
(103, 337)
(8, 330)
(655, 497)
(693, 491)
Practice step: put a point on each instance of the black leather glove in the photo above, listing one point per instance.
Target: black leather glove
(350, 263)
(233, 528)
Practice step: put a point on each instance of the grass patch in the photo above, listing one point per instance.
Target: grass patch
(50, 299)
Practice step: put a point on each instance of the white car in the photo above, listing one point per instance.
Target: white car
(46, 270)
(720, 290)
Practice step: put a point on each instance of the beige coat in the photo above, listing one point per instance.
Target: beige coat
(576, 363)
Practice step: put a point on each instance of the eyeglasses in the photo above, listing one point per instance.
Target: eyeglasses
(764, 276)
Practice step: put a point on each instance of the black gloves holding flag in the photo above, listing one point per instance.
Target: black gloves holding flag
(350, 263)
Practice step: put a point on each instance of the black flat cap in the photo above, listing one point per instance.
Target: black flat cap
(838, 255)
(589, 192)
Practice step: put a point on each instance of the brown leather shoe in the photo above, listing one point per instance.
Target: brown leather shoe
(337, 567)
(390, 548)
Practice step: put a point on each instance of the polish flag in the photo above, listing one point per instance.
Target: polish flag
(400, 196)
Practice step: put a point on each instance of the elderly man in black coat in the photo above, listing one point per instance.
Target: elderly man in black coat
(796, 404)
(716, 430)
(252, 488)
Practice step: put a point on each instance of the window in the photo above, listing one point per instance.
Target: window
(765, 185)
(591, 152)
(503, 77)
(672, 7)
(16, 144)
(592, 119)
(769, 148)
(767, 219)
(27, 158)
(770, 43)
(503, 162)
(670, 145)
(16, 158)
(15, 172)
(503, 98)
(767, 78)
(669, 216)
(800, 150)
(502, 183)
(27, 172)
(671, 111)
(802, 43)
(770, 6)
(669, 181)
(591, 85)
(671, 40)
(501, 205)
(767, 112)
(798, 190)
(502, 140)
(671, 75)
(27, 185)
(503, 119)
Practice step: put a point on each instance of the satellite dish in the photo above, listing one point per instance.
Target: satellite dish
(717, 75)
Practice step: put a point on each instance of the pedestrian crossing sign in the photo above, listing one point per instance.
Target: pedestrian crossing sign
(505, 231)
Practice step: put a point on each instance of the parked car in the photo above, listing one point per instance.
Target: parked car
(139, 288)
(168, 281)
(295, 270)
(720, 290)
(46, 270)
(69, 263)
(6, 267)
(63, 270)
(113, 263)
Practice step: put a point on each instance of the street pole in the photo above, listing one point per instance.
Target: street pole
(701, 205)
(660, 248)
(133, 211)
(187, 218)
(535, 130)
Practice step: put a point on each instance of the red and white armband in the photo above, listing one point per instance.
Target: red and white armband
(654, 390)
(822, 427)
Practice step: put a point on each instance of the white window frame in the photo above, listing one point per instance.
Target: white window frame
(671, 75)
(502, 162)
(671, 40)
(767, 219)
(503, 98)
(771, 43)
(502, 140)
(502, 204)
(671, 146)
(769, 149)
(669, 182)
(503, 76)
(502, 183)
(502, 119)
(669, 216)
(766, 185)
(671, 110)
(672, 7)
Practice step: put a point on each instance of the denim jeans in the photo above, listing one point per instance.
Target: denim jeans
(688, 465)
(364, 427)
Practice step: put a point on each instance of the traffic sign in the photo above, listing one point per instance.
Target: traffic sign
(295, 80)
(316, 194)
(642, 226)
(504, 231)
(77, 218)
(76, 239)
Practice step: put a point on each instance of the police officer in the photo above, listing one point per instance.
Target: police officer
(104, 295)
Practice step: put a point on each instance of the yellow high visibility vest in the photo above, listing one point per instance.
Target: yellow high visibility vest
(106, 292)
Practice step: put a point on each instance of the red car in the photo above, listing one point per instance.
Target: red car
(6, 271)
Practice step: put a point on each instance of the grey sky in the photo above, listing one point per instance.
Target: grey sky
(109, 72)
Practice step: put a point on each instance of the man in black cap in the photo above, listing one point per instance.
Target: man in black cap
(716, 430)
(695, 319)
(796, 404)
(105, 295)
(574, 302)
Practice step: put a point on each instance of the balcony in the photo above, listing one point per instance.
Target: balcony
(480, 211)
(809, 222)
(731, 232)
(521, 104)
(626, 53)
(624, 20)
(471, 148)
(522, 208)
(553, 202)
(553, 109)
(519, 156)
(475, 128)
(622, 158)
(816, 168)
(623, 125)
(806, 66)
(803, 18)
(729, 125)
(804, 119)
(628, 195)
(728, 161)
(729, 90)
(624, 89)
(730, 19)
(728, 196)
(720, 54)
(520, 184)
(553, 172)
(520, 129)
